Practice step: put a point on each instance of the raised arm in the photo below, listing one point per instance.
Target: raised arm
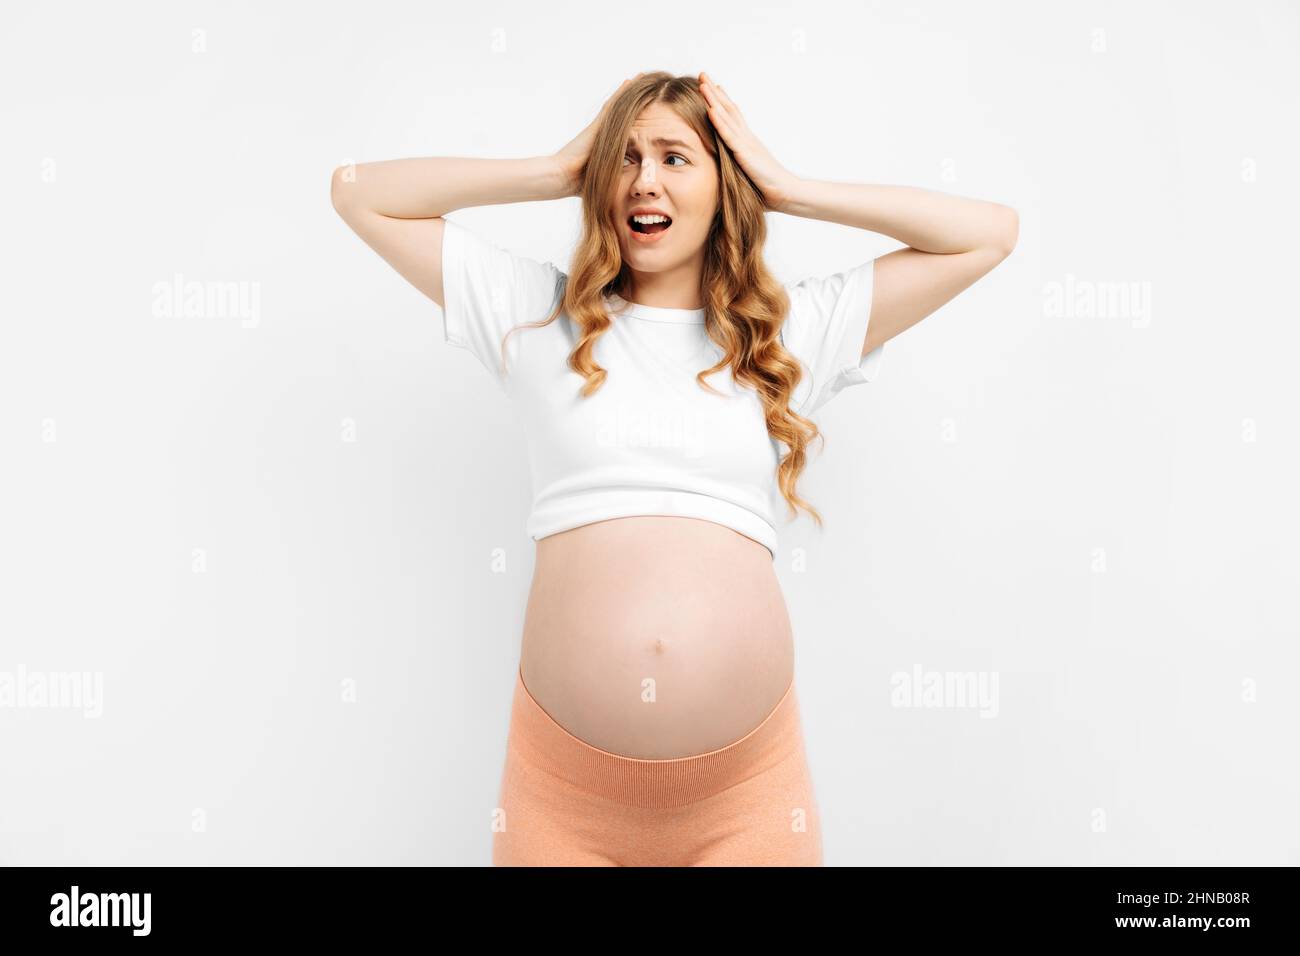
(397, 205)
(951, 241)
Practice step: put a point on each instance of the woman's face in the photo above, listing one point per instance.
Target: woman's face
(665, 168)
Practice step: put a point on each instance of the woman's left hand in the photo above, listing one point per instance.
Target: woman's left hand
(773, 180)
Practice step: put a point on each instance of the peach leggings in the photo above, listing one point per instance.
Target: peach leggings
(564, 802)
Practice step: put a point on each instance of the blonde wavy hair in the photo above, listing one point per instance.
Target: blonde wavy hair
(744, 304)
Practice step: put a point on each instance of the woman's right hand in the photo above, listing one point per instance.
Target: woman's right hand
(573, 157)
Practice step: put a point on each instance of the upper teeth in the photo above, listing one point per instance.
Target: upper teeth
(646, 220)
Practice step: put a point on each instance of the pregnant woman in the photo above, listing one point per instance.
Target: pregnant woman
(665, 384)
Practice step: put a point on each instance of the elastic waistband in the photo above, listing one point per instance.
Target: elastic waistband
(641, 782)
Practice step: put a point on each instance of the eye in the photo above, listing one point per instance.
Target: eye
(628, 158)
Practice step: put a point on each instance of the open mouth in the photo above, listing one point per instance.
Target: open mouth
(649, 228)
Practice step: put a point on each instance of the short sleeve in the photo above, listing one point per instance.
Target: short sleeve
(825, 331)
(487, 290)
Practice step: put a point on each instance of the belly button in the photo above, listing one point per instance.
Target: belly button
(660, 647)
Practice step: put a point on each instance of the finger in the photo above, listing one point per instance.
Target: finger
(732, 113)
(718, 109)
(623, 84)
(724, 121)
(722, 94)
(712, 96)
(726, 129)
(718, 95)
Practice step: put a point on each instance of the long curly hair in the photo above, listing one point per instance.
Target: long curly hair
(744, 304)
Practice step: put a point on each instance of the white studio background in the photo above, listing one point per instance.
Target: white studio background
(286, 539)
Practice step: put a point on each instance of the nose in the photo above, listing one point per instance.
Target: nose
(647, 180)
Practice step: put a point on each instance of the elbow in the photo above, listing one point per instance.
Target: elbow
(1008, 230)
(343, 184)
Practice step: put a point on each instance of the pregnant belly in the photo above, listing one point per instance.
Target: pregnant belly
(656, 637)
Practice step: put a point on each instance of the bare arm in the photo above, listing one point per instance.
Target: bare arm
(952, 242)
(396, 206)
(433, 187)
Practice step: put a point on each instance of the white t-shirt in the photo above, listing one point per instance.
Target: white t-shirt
(650, 440)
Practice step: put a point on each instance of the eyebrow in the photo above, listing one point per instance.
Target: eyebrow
(663, 141)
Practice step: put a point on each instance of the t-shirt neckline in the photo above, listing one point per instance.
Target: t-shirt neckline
(656, 313)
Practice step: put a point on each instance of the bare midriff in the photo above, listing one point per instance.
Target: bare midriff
(656, 637)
